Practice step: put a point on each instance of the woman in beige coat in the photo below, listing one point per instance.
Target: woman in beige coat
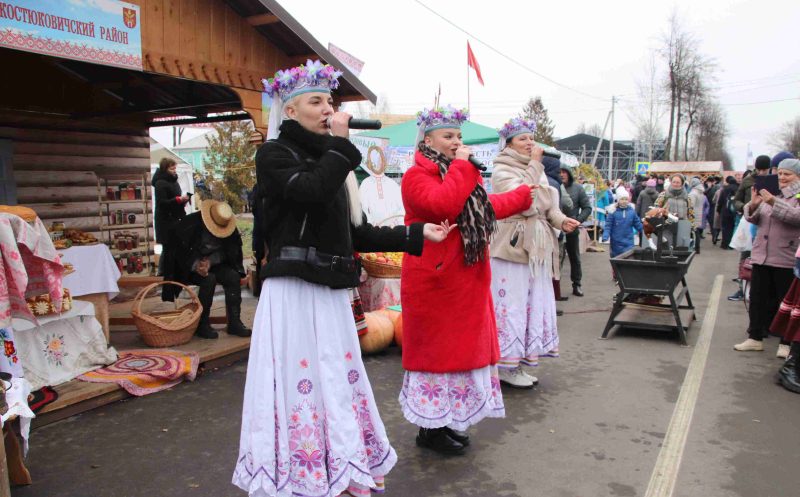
(524, 257)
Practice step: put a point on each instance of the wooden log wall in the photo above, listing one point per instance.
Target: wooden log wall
(57, 170)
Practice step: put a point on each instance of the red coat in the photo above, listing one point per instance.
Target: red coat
(448, 314)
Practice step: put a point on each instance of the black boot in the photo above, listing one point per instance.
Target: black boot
(789, 374)
(235, 325)
(438, 440)
(459, 436)
(576, 290)
(204, 330)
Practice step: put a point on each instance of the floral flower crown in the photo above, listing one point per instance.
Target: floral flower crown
(313, 76)
(441, 117)
(516, 126)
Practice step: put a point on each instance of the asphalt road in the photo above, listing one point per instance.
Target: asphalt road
(593, 427)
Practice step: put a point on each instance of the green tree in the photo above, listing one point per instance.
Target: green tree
(230, 163)
(536, 111)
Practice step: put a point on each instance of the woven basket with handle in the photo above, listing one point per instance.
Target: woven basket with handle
(379, 269)
(167, 329)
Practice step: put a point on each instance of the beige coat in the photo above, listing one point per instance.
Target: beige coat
(537, 243)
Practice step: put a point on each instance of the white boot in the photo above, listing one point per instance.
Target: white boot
(783, 351)
(749, 345)
(514, 378)
(530, 377)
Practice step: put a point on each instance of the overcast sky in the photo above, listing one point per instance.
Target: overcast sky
(599, 49)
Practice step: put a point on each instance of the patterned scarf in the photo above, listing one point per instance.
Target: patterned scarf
(477, 221)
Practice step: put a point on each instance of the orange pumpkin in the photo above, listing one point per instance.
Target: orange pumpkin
(379, 333)
(398, 330)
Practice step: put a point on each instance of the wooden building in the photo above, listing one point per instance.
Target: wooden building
(64, 123)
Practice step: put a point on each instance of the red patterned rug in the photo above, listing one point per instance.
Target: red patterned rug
(146, 371)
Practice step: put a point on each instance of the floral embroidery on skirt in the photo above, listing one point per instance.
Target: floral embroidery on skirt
(457, 400)
(525, 310)
(310, 425)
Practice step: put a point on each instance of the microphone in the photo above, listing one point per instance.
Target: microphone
(554, 155)
(478, 164)
(354, 123)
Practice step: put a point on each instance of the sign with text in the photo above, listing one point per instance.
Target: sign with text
(353, 64)
(106, 32)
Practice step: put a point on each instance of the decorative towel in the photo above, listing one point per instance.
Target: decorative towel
(146, 371)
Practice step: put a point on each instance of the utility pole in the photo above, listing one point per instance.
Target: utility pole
(611, 144)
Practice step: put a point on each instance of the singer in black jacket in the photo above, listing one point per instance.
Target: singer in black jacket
(305, 371)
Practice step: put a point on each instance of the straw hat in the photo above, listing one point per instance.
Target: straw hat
(218, 218)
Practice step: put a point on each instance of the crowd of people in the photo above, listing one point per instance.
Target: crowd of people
(310, 423)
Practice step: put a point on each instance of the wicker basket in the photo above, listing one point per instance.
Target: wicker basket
(381, 270)
(167, 329)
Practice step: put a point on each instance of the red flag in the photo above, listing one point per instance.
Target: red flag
(473, 63)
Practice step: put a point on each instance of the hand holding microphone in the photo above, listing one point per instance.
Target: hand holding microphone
(352, 123)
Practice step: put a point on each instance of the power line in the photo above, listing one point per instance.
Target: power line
(510, 59)
(762, 102)
(760, 87)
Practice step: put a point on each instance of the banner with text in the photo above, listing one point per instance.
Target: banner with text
(106, 32)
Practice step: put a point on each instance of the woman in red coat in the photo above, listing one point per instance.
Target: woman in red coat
(450, 346)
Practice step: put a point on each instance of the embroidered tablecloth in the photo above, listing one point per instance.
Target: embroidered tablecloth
(29, 265)
(62, 347)
(377, 293)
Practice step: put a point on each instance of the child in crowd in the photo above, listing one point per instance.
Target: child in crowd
(621, 223)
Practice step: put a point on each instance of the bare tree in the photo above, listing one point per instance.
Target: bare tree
(647, 115)
(678, 50)
(711, 132)
(788, 136)
(593, 129)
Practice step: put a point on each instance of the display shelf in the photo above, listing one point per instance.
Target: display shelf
(114, 227)
(145, 218)
(135, 201)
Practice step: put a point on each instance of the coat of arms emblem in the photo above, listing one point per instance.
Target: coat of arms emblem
(129, 17)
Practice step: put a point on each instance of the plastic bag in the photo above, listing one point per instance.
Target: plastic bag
(742, 239)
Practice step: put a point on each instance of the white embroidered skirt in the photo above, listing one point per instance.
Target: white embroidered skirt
(525, 311)
(457, 400)
(310, 426)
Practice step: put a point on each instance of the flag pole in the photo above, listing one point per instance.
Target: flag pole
(468, 100)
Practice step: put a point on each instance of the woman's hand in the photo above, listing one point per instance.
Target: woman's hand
(340, 124)
(537, 153)
(767, 197)
(755, 199)
(569, 225)
(463, 152)
(533, 188)
(437, 232)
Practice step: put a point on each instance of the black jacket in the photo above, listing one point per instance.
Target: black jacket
(581, 206)
(168, 210)
(647, 199)
(302, 202)
(184, 248)
(722, 207)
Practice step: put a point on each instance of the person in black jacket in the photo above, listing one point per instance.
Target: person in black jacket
(206, 250)
(581, 209)
(305, 377)
(170, 202)
(727, 211)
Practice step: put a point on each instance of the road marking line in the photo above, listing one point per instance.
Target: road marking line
(665, 472)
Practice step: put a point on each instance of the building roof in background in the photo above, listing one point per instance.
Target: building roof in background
(405, 133)
(196, 143)
(158, 151)
(686, 167)
(576, 142)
